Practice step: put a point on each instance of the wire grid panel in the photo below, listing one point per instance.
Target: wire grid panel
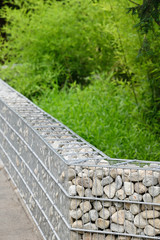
(67, 183)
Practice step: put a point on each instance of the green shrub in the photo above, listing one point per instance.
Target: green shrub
(106, 115)
(56, 42)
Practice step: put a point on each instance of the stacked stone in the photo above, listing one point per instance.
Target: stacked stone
(130, 190)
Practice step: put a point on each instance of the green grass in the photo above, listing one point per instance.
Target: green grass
(104, 114)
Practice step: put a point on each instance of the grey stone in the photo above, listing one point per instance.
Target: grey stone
(130, 228)
(93, 215)
(85, 206)
(98, 236)
(76, 214)
(119, 217)
(112, 210)
(120, 194)
(151, 231)
(134, 209)
(117, 228)
(150, 180)
(135, 197)
(75, 236)
(72, 190)
(101, 223)
(155, 222)
(128, 188)
(140, 188)
(85, 182)
(97, 205)
(157, 200)
(154, 191)
(77, 224)
(88, 193)
(150, 214)
(97, 189)
(139, 221)
(105, 203)
(147, 198)
(110, 237)
(107, 180)
(110, 190)
(90, 226)
(85, 218)
(104, 213)
(74, 203)
(137, 176)
(80, 190)
(129, 216)
(71, 174)
(118, 182)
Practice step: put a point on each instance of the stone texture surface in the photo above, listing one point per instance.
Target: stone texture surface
(134, 217)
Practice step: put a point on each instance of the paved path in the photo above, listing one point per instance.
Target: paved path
(15, 223)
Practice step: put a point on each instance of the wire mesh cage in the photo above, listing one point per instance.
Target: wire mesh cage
(72, 190)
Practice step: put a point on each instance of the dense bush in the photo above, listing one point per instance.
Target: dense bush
(57, 43)
(105, 114)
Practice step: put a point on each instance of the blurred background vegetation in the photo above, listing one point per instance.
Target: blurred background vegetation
(94, 65)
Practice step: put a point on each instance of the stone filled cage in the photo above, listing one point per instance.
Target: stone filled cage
(72, 190)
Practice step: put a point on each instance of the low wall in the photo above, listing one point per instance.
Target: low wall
(72, 190)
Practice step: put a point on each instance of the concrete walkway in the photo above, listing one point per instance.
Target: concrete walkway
(15, 221)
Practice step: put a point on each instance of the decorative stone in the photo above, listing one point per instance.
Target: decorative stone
(74, 204)
(129, 216)
(97, 205)
(77, 224)
(155, 222)
(97, 236)
(118, 217)
(130, 228)
(101, 223)
(154, 191)
(97, 189)
(137, 176)
(105, 203)
(71, 174)
(147, 198)
(134, 209)
(104, 213)
(85, 182)
(85, 218)
(151, 231)
(150, 180)
(120, 194)
(80, 190)
(1, 165)
(76, 214)
(117, 228)
(118, 182)
(150, 214)
(140, 188)
(93, 215)
(128, 188)
(112, 210)
(107, 180)
(157, 201)
(139, 221)
(135, 197)
(85, 206)
(110, 190)
(90, 226)
(88, 193)
(75, 236)
(110, 237)
(72, 190)
(159, 179)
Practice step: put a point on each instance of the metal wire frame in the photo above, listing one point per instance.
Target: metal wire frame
(116, 163)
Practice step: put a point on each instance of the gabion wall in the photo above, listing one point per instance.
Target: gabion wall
(72, 190)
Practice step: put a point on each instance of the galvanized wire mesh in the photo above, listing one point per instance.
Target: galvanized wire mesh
(73, 190)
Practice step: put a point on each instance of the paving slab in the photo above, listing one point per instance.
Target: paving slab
(15, 220)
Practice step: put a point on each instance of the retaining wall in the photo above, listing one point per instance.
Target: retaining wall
(72, 190)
